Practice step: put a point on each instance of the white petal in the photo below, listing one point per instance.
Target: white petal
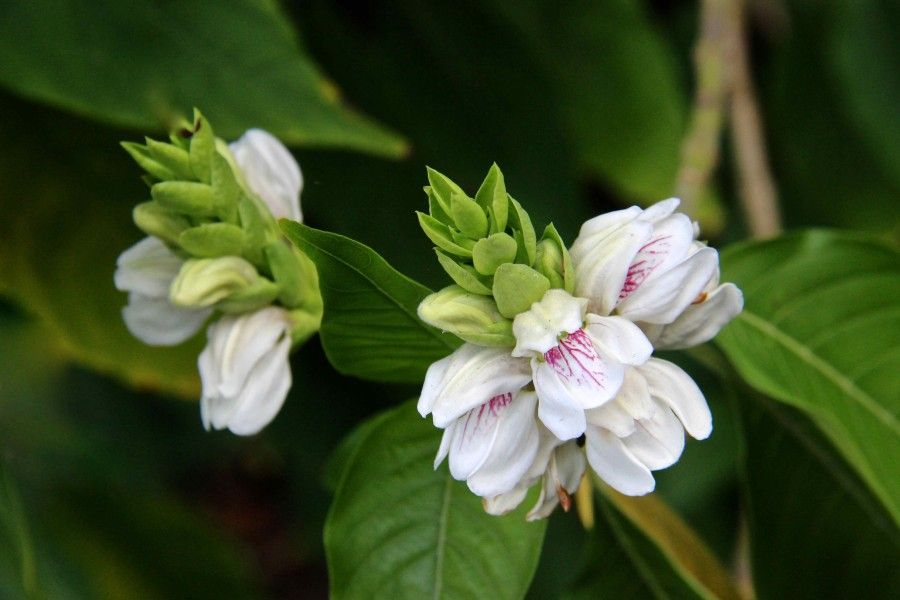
(503, 503)
(157, 322)
(669, 384)
(444, 448)
(657, 442)
(700, 322)
(601, 264)
(270, 171)
(558, 411)
(619, 339)
(668, 246)
(612, 416)
(660, 210)
(666, 296)
(634, 396)
(561, 480)
(589, 379)
(148, 268)
(469, 377)
(604, 224)
(538, 329)
(612, 461)
(513, 450)
(264, 392)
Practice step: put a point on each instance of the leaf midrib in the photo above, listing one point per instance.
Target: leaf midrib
(806, 355)
(383, 292)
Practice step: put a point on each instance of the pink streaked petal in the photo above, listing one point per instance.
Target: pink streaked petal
(700, 321)
(668, 246)
(589, 378)
(557, 410)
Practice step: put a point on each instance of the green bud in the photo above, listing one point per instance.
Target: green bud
(227, 189)
(471, 317)
(469, 218)
(185, 197)
(257, 226)
(524, 230)
(203, 146)
(260, 293)
(491, 252)
(492, 196)
(295, 274)
(443, 188)
(517, 287)
(442, 236)
(212, 240)
(172, 157)
(464, 275)
(205, 281)
(435, 209)
(141, 156)
(153, 219)
(553, 260)
(304, 324)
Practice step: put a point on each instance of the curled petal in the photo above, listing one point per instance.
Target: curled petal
(668, 245)
(615, 464)
(157, 322)
(560, 482)
(147, 268)
(658, 441)
(557, 409)
(468, 378)
(504, 503)
(672, 386)
(700, 321)
(270, 171)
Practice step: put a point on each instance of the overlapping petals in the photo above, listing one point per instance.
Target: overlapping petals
(270, 171)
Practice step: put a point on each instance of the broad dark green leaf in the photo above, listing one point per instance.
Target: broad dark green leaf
(143, 64)
(370, 328)
(815, 530)
(819, 331)
(66, 195)
(398, 528)
(18, 576)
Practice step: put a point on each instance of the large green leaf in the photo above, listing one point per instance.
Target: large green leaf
(142, 64)
(819, 331)
(370, 328)
(66, 195)
(398, 528)
(815, 529)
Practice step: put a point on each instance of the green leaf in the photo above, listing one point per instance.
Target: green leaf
(15, 537)
(398, 528)
(65, 218)
(665, 555)
(369, 328)
(819, 331)
(815, 530)
(143, 65)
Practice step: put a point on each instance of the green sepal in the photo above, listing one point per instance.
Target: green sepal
(212, 240)
(441, 235)
(464, 275)
(185, 197)
(296, 277)
(153, 219)
(491, 252)
(435, 209)
(493, 198)
(260, 293)
(205, 281)
(304, 324)
(141, 156)
(521, 222)
(553, 261)
(443, 188)
(203, 146)
(471, 317)
(172, 158)
(228, 190)
(468, 216)
(517, 287)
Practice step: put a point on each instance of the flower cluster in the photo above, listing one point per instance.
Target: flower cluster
(557, 371)
(213, 247)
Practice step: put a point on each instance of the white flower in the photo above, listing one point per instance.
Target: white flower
(645, 265)
(146, 271)
(270, 171)
(577, 360)
(493, 445)
(245, 370)
(642, 430)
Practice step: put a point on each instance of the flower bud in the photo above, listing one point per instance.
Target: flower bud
(186, 197)
(465, 276)
(205, 281)
(468, 216)
(203, 147)
(553, 261)
(142, 157)
(442, 236)
(171, 157)
(517, 287)
(492, 196)
(443, 189)
(470, 317)
(491, 252)
(211, 240)
(296, 276)
(154, 220)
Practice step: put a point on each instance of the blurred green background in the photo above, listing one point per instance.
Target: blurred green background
(110, 487)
